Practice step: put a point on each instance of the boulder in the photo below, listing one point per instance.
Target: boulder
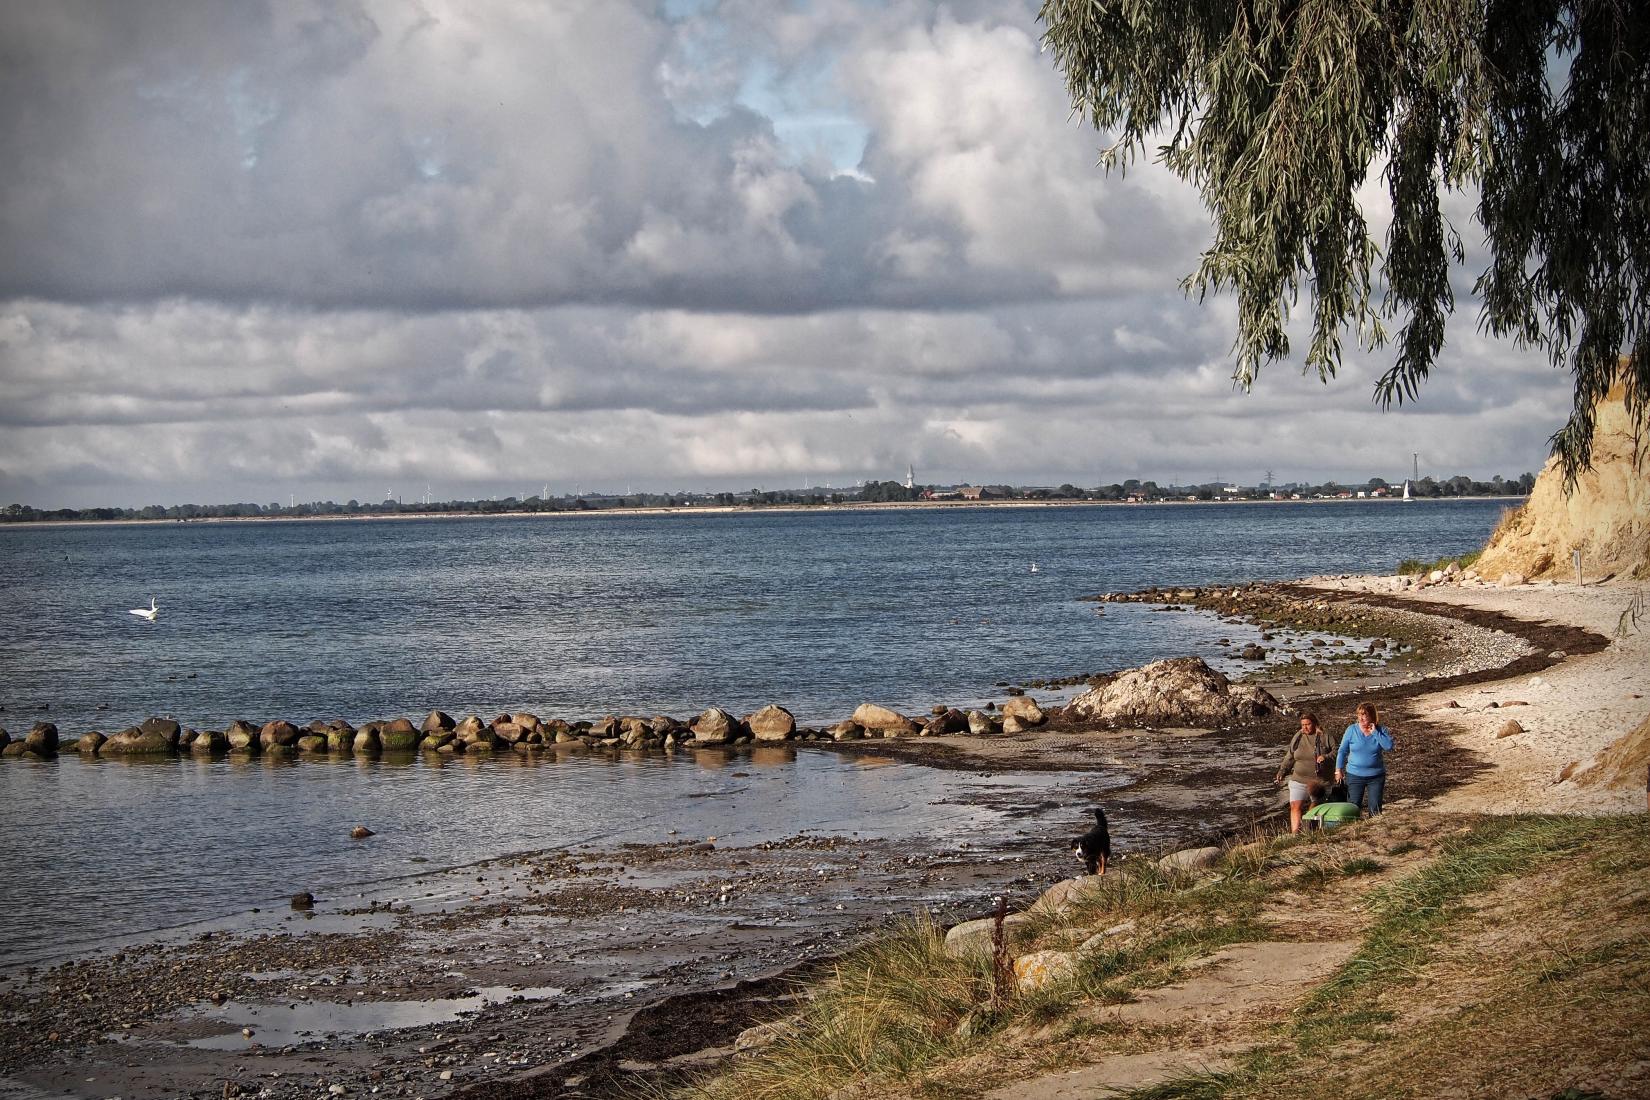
(1510, 580)
(1181, 691)
(949, 720)
(365, 740)
(1252, 653)
(41, 739)
(397, 736)
(303, 900)
(1011, 724)
(209, 741)
(1063, 895)
(241, 737)
(360, 832)
(981, 724)
(714, 727)
(163, 726)
(5, 739)
(771, 723)
(1025, 708)
(1041, 968)
(436, 721)
(21, 749)
(1510, 728)
(663, 725)
(874, 716)
(975, 935)
(340, 740)
(846, 731)
(526, 720)
(470, 726)
(138, 741)
(278, 734)
(312, 742)
(509, 732)
(604, 727)
(86, 746)
(1190, 859)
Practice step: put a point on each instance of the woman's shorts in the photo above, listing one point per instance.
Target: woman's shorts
(1297, 792)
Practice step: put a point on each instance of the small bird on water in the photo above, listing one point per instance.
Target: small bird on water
(149, 612)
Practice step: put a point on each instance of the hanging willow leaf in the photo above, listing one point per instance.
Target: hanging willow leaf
(1278, 111)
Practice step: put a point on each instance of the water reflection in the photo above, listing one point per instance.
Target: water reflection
(95, 844)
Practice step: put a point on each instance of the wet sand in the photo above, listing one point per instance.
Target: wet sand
(577, 972)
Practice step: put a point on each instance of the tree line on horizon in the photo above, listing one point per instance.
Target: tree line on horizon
(871, 492)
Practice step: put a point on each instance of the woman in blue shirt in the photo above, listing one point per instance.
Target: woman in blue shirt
(1361, 761)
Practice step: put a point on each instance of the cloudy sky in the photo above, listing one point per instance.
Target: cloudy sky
(336, 247)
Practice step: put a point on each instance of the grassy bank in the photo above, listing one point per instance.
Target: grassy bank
(1413, 955)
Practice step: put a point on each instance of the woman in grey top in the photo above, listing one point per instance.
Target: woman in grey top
(1309, 758)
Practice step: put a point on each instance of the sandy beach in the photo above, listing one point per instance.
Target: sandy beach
(456, 981)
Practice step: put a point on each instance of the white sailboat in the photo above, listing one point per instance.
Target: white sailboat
(1406, 490)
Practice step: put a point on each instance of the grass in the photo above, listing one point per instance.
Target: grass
(1412, 566)
(1418, 919)
(900, 1017)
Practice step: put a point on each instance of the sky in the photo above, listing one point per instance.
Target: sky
(333, 249)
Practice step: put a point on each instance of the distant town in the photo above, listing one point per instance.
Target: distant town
(908, 491)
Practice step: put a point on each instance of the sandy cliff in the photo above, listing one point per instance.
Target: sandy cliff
(1606, 517)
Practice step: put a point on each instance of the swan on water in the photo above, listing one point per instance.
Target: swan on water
(147, 612)
(1034, 568)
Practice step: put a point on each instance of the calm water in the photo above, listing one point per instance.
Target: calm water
(578, 617)
(572, 618)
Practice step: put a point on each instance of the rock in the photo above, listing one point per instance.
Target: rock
(714, 727)
(86, 746)
(163, 726)
(21, 748)
(1190, 859)
(207, 742)
(1510, 728)
(1252, 653)
(950, 720)
(278, 734)
(975, 935)
(1011, 724)
(754, 1038)
(510, 732)
(303, 900)
(138, 741)
(1063, 895)
(397, 736)
(361, 832)
(1097, 942)
(1180, 691)
(981, 724)
(241, 737)
(1435, 576)
(340, 740)
(41, 739)
(365, 740)
(605, 727)
(436, 721)
(1025, 708)
(312, 742)
(771, 723)
(1510, 580)
(526, 720)
(874, 716)
(1041, 968)
(846, 731)
(470, 726)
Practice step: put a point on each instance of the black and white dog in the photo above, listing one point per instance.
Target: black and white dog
(1094, 846)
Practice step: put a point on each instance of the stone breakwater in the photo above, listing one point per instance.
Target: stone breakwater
(520, 732)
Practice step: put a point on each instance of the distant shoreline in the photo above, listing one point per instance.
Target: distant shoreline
(734, 509)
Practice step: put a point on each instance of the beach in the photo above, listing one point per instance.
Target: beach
(471, 960)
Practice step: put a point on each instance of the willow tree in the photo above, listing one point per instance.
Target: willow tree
(1279, 110)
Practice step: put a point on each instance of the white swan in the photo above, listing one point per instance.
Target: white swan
(146, 612)
(1034, 568)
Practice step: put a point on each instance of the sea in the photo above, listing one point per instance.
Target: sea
(571, 616)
